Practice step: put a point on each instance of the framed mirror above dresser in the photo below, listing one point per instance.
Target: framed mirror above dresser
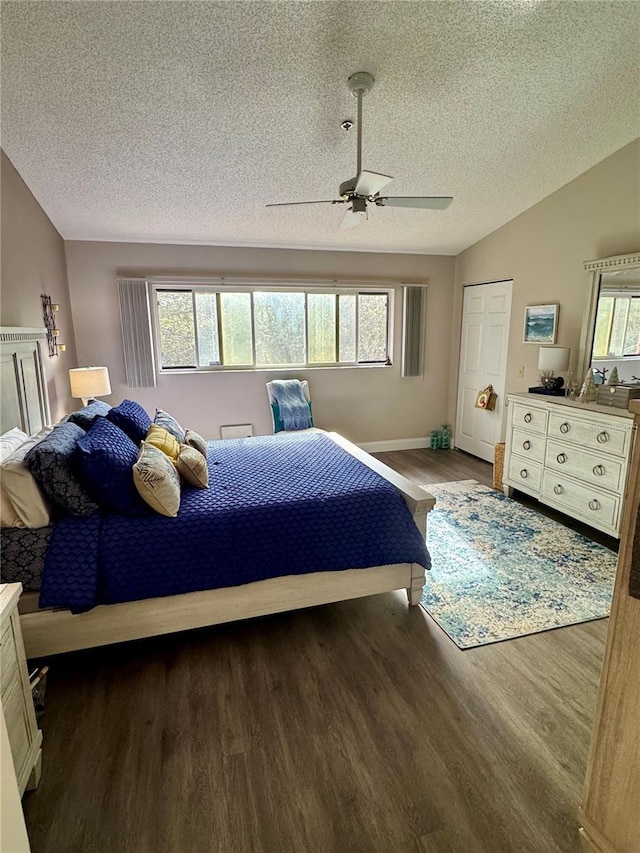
(611, 325)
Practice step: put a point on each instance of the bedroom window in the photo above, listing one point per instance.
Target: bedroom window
(199, 328)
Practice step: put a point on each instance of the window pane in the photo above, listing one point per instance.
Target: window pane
(347, 327)
(603, 320)
(372, 327)
(237, 340)
(632, 335)
(207, 314)
(321, 327)
(177, 330)
(279, 325)
(616, 340)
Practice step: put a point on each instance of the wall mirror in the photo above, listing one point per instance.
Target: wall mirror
(611, 326)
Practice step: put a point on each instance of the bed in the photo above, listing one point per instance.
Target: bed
(57, 629)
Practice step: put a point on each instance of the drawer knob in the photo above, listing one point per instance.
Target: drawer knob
(562, 458)
(528, 418)
(565, 427)
(524, 473)
(526, 444)
(594, 504)
(558, 489)
(598, 470)
(603, 437)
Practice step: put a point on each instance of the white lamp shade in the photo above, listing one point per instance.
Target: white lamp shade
(89, 382)
(554, 358)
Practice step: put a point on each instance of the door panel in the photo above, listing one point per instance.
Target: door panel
(483, 356)
(473, 348)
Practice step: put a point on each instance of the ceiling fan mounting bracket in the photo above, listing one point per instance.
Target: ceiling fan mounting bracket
(360, 83)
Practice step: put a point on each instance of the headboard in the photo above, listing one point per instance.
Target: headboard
(24, 401)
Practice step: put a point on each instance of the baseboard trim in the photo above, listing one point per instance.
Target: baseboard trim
(395, 444)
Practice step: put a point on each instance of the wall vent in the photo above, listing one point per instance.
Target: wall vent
(236, 431)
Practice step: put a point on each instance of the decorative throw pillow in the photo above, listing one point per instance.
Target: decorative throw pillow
(131, 418)
(163, 440)
(105, 456)
(28, 502)
(85, 417)
(197, 441)
(164, 419)
(192, 467)
(9, 442)
(156, 480)
(50, 462)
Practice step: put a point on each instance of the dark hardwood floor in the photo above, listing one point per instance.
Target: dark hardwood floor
(356, 727)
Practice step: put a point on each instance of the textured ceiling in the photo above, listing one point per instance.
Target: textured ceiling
(178, 121)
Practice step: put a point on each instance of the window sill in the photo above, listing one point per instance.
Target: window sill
(168, 371)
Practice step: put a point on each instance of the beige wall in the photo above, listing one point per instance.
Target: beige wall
(365, 404)
(33, 262)
(543, 249)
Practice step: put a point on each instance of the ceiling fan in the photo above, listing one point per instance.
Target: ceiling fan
(365, 188)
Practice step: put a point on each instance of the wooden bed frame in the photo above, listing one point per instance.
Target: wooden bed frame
(48, 632)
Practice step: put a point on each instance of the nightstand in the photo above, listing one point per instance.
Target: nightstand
(25, 737)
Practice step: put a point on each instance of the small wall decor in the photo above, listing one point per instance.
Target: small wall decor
(49, 310)
(541, 324)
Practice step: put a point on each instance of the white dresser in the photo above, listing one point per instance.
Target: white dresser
(572, 456)
(24, 736)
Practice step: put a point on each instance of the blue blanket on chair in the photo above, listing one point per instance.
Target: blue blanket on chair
(294, 409)
(275, 506)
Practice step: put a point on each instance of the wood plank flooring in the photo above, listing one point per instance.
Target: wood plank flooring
(351, 728)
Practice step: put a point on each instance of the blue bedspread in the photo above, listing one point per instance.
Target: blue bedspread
(282, 505)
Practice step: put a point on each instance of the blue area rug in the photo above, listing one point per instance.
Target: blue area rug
(501, 570)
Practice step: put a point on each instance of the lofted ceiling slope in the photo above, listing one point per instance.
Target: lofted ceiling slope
(179, 121)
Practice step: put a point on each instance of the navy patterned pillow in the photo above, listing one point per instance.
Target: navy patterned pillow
(131, 418)
(86, 416)
(51, 463)
(164, 419)
(106, 456)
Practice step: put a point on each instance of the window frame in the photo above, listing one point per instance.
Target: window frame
(228, 286)
(616, 295)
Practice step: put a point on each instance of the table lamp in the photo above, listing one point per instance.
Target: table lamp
(89, 382)
(550, 361)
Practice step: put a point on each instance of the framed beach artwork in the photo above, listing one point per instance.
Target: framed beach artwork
(541, 324)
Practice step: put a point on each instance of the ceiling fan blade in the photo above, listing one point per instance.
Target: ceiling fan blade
(352, 219)
(370, 183)
(323, 201)
(425, 202)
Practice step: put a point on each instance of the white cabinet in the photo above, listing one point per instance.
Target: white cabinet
(572, 456)
(25, 738)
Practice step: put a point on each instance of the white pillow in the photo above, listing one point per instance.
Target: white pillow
(9, 442)
(24, 493)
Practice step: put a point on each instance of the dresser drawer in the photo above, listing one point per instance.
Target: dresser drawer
(529, 418)
(529, 445)
(8, 659)
(598, 470)
(598, 434)
(594, 506)
(526, 472)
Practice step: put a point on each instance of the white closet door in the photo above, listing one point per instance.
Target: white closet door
(484, 344)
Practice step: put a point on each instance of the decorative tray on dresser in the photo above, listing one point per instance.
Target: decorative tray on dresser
(572, 456)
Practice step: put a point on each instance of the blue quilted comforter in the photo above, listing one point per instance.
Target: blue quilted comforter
(282, 505)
